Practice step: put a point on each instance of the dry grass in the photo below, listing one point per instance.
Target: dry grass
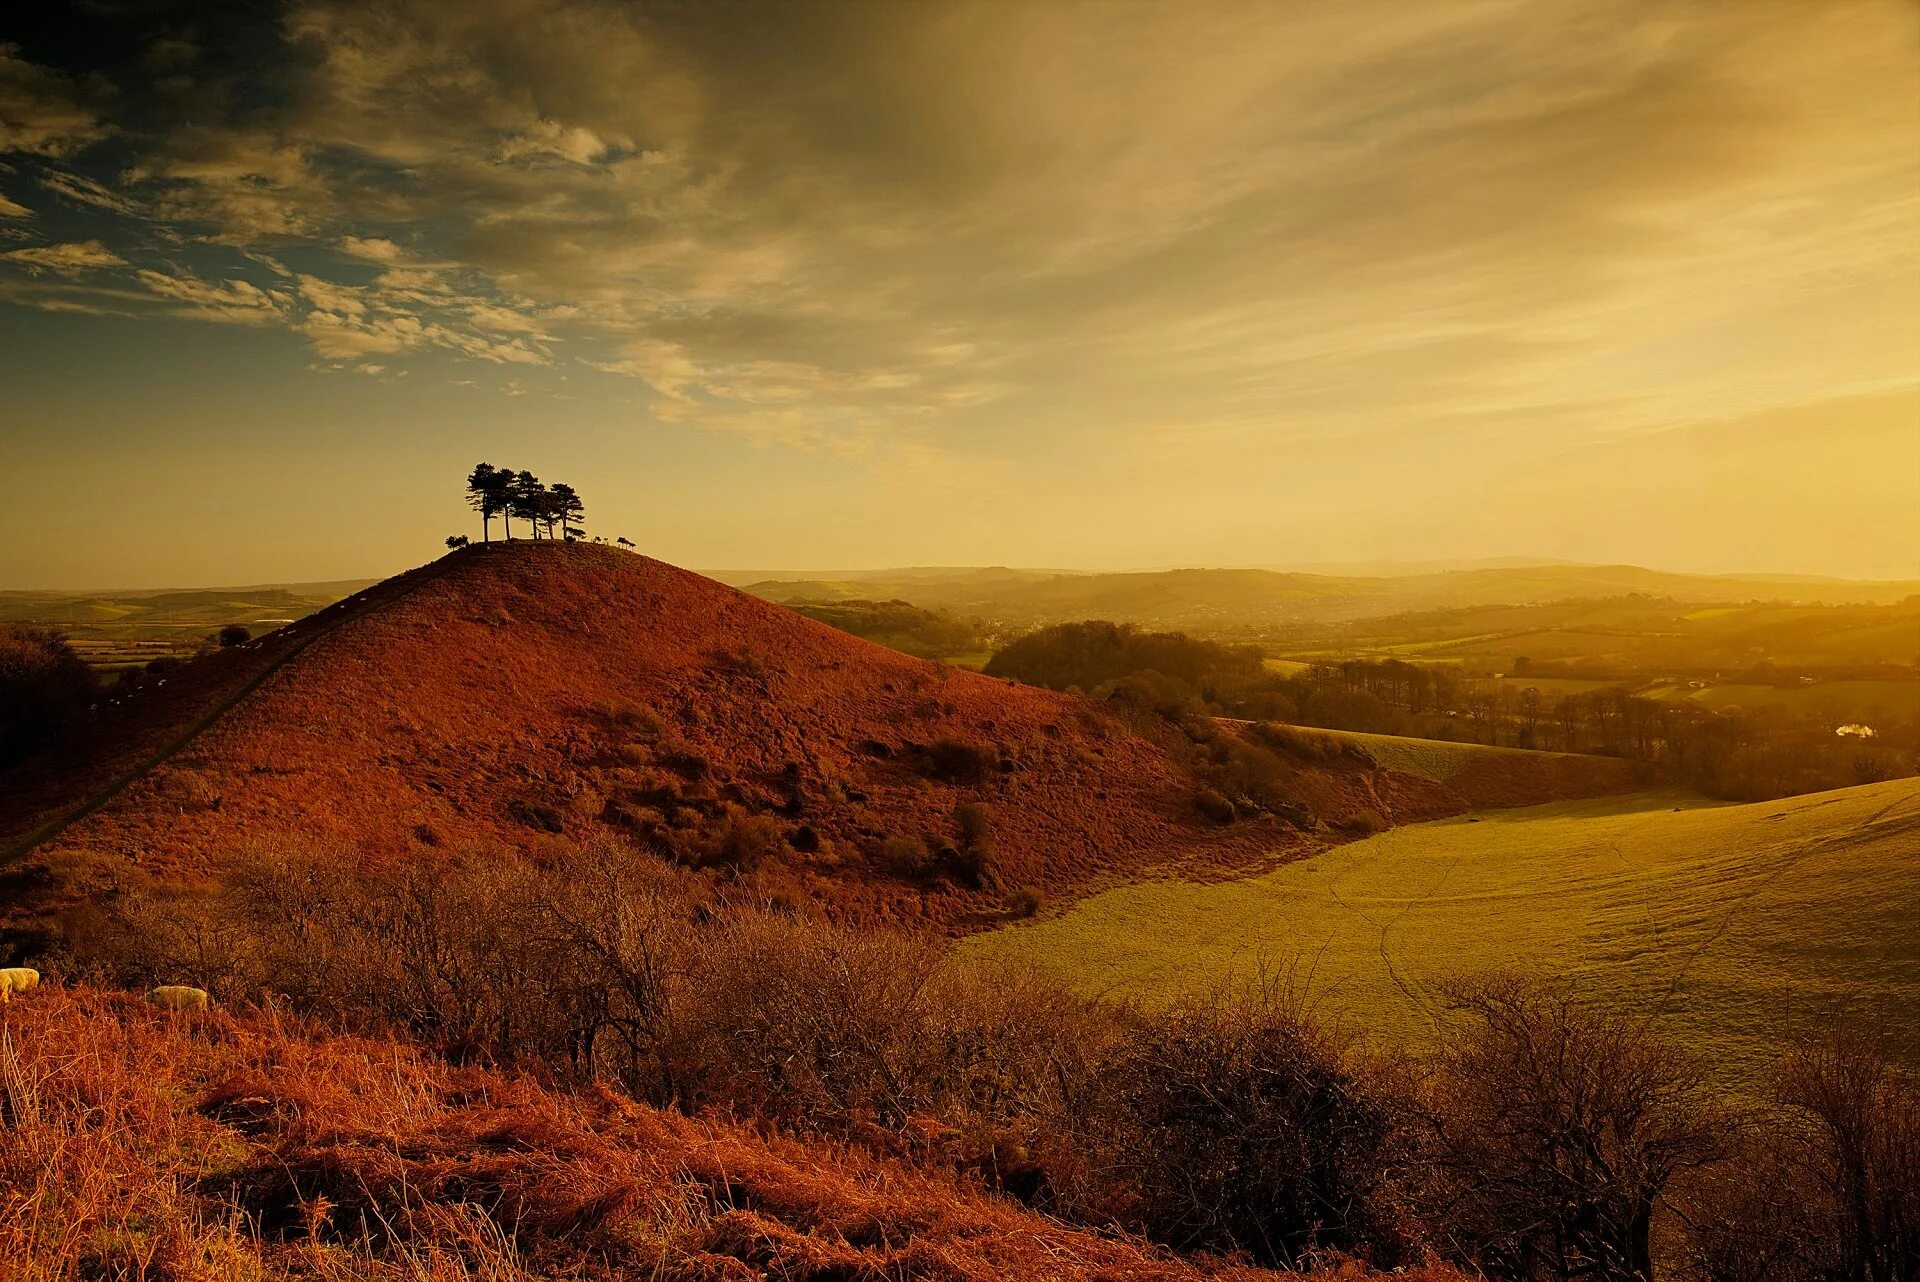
(142, 1145)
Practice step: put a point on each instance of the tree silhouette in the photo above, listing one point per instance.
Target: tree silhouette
(504, 492)
(487, 494)
(526, 499)
(569, 509)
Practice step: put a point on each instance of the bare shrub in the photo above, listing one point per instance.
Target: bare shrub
(1555, 1129)
(1237, 1124)
(809, 1024)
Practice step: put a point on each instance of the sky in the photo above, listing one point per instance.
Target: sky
(1032, 282)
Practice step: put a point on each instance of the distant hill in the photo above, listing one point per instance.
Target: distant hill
(519, 696)
(1251, 598)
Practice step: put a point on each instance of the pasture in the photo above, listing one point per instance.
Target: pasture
(1867, 701)
(1738, 925)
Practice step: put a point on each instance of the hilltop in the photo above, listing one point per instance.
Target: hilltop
(525, 696)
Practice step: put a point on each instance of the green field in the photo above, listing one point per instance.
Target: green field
(1838, 700)
(1739, 925)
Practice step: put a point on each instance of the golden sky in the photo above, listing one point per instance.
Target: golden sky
(1042, 283)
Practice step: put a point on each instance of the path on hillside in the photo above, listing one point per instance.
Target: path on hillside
(349, 608)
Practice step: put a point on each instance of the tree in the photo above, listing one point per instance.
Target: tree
(569, 509)
(526, 499)
(487, 488)
(234, 634)
(456, 541)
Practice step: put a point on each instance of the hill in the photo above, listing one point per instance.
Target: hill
(1252, 599)
(245, 1148)
(1491, 778)
(1740, 925)
(522, 696)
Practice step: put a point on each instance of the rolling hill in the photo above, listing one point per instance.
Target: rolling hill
(1238, 599)
(526, 695)
(1739, 925)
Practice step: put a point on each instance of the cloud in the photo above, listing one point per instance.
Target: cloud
(233, 301)
(13, 209)
(68, 259)
(82, 190)
(42, 112)
(969, 223)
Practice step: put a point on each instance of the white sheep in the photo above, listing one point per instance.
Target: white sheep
(17, 979)
(179, 997)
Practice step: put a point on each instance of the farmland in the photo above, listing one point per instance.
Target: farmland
(1740, 925)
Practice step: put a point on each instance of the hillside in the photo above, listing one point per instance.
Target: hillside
(237, 1149)
(1742, 926)
(1490, 778)
(529, 695)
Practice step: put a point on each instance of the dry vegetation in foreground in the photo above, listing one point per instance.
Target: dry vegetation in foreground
(139, 1144)
(1547, 1139)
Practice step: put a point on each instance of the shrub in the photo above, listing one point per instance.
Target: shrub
(955, 761)
(743, 842)
(232, 635)
(1555, 1129)
(903, 856)
(972, 859)
(1214, 806)
(1365, 821)
(1237, 1124)
(1025, 901)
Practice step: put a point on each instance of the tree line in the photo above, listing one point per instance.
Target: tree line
(1743, 755)
(502, 492)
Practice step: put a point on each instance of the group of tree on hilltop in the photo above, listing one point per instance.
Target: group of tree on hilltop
(502, 492)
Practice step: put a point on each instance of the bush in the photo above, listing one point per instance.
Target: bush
(1554, 1132)
(1214, 806)
(743, 842)
(232, 635)
(956, 761)
(903, 856)
(1026, 901)
(972, 860)
(1236, 1124)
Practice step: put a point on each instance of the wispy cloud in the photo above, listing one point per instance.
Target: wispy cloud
(1249, 226)
(67, 260)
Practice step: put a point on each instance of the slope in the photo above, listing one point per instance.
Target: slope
(1734, 922)
(526, 695)
(237, 1148)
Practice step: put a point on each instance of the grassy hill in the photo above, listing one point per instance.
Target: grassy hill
(1491, 778)
(1739, 924)
(533, 696)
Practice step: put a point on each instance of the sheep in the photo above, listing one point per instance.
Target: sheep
(17, 979)
(179, 997)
